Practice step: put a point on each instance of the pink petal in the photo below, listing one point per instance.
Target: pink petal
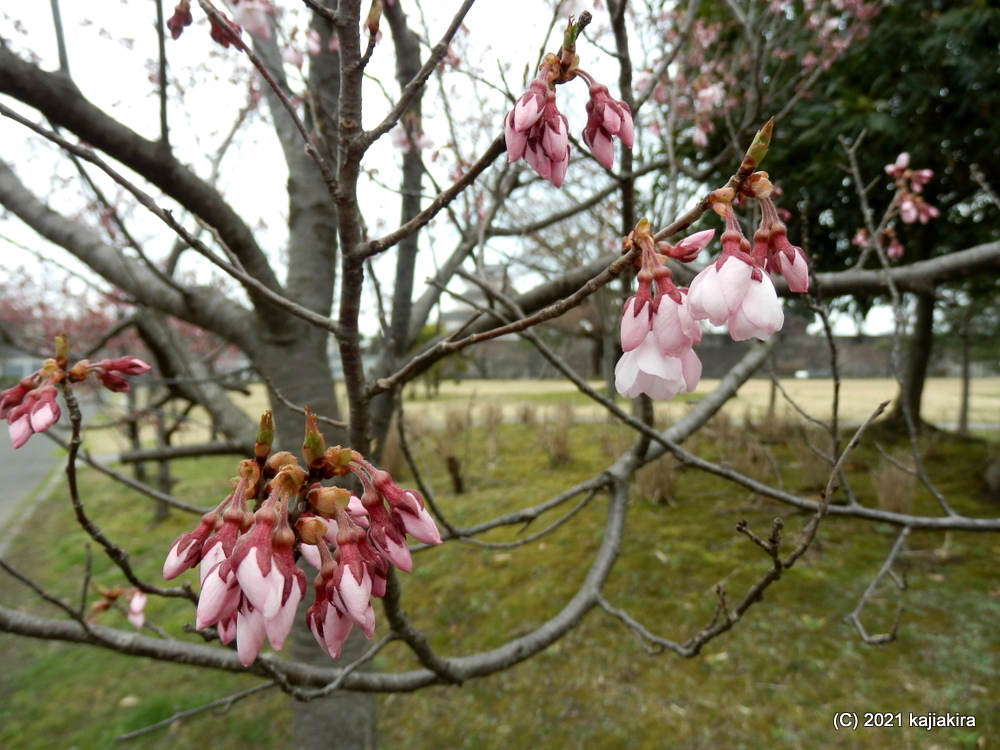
(706, 299)
(20, 430)
(516, 141)
(611, 120)
(220, 596)
(278, 626)
(355, 595)
(795, 271)
(602, 149)
(44, 416)
(627, 131)
(420, 526)
(634, 327)
(668, 329)
(250, 633)
(526, 112)
(310, 553)
(691, 367)
(734, 280)
(760, 315)
(257, 584)
(558, 173)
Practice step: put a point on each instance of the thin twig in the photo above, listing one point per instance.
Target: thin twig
(224, 703)
(855, 616)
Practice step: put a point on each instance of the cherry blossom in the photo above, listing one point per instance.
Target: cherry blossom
(251, 585)
(606, 118)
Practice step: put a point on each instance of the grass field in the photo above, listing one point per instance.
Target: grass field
(858, 399)
(776, 680)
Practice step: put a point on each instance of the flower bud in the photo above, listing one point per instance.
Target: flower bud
(339, 460)
(313, 445)
(326, 501)
(277, 460)
(265, 436)
(311, 530)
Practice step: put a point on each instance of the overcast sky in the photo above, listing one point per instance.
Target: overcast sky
(107, 61)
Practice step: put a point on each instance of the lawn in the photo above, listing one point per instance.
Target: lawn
(776, 680)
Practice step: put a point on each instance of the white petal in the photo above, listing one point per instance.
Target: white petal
(705, 298)
(734, 279)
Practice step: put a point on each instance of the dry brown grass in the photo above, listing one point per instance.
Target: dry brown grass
(858, 398)
(895, 481)
(554, 436)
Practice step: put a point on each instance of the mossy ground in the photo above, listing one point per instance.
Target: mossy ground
(775, 680)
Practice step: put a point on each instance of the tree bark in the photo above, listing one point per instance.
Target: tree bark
(918, 357)
(966, 335)
(407, 48)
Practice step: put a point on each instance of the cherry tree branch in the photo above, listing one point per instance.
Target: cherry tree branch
(855, 616)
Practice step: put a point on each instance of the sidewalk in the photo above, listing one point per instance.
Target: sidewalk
(22, 474)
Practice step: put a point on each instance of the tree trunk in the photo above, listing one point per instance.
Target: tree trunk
(963, 411)
(918, 357)
(299, 370)
(407, 49)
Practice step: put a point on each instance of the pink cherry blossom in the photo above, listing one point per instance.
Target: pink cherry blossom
(636, 322)
(409, 506)
(535, 130)
(718, 290)
(328, 624)
(45, 411)
(252, 559)
(15, 395)
(896, 169)
(673, 327)
(136, 609)
(313, 44)
(759, 313)
(780, 256)
(688, 248)
(606, 118)
(220, 595)
(19, 425)
(186, 551)
(250, 632)
(252, 16)
(795, 269)
(740, 295)
(646, 369)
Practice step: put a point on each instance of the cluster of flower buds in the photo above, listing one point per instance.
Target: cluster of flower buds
(538, 132)
(909, 184)
(251, 585)
(135, 611)
(30, 406)
(658, 333)
(908, 201)
(893, 247)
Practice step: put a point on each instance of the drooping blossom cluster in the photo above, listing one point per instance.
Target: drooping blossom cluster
(538, 132)
(909, 185)
(251, 585)
(251, 15)
(908, 201)
(658, 334)
(31, 406)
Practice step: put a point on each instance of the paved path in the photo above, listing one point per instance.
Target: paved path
(21, 475)
(23, 471)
